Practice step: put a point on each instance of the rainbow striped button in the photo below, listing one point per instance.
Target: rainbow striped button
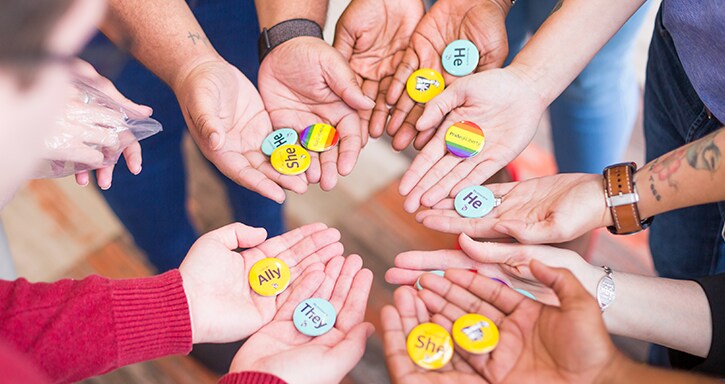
(465, 139)
(319, 137)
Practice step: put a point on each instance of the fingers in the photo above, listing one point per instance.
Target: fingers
(394, 343)
(341, 79)
(424, 161)
(434, 260)
(412, 310)
(437, 109)
(402, 122)
(133, 157)
(343, 283)
(237, 235)
(379, 116)
(447, 297)
(301, 291)
(407, 66)
(106, 86)
(265, 180)
(303, 246)
(501, 297)
(538, 232)
(568, 289)
(104, 177)
(82, 178)
(353, 312)
(332, 272)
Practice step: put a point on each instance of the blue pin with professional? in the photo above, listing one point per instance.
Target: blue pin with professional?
(314, 317)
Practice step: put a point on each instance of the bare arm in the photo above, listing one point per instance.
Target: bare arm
(568, 40)
(164, 35)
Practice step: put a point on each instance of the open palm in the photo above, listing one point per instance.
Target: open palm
(222, 304)
(502, 104)
(551, 209)
(280, 349)
(372, 36)
(305, 81)
(538, 343)
(481, 22)
(227, 120)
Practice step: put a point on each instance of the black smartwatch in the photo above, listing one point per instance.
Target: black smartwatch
(284, 31)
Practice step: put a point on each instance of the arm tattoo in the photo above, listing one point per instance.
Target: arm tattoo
(557, 6)
(705, 154)
(197, 37)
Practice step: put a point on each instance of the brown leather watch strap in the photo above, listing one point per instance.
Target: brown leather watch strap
(622, 198)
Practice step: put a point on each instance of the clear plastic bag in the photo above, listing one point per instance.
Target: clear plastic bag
(92, 133)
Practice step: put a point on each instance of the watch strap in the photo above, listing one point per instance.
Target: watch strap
(285, 31)
(622, 199)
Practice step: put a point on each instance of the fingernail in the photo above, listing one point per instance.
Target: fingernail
(138, 170)
(214, 140)
(106, 187)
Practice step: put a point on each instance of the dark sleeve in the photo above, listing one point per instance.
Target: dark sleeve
(714, 287)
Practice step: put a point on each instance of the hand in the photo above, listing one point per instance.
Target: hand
(305, 81)
(223, 306)
(397, 322)
(506, 262)
(372, 36)
(281, 350)
(545, 210)
(226, 118)
(480, 21)
(502, 103)
(86, 139)
(538, 343)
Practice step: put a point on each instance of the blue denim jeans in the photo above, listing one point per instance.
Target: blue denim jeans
(685, 243)
(592, 119)
(152, 205)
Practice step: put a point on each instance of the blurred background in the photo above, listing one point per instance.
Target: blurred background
(56, 229)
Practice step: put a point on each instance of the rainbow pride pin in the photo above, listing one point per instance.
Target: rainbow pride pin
(319, 137)
(465, 139)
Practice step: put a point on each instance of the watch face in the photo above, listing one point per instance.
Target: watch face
(605, 291)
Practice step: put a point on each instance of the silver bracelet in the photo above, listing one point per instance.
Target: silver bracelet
(605, 289)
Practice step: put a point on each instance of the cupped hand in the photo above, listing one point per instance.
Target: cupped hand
(502, 103)
(305, 81)
(227, 120)
(372, 36)
(398, 321)
(85, 72)
(480, 21)
(223, 306)
(281, 350)
(506, 262)
(544, 210)
(538, 343)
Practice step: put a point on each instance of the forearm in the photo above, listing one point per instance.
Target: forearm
(163, 35)
(688, 176)
(568, 40)
(77, 329)
(673, 313)
(626, 371)
(272, 12)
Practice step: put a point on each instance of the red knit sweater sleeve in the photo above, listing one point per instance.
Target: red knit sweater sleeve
(251, 378)
(77, 329)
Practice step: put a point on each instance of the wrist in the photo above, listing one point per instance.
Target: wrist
(532, 81)
(271, 13)
(196, 336)
(505, 5)
(620, 369)
(177, 80)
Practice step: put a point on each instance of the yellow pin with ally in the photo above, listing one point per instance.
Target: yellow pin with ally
(269, 277)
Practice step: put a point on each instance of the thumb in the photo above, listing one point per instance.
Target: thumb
(208, 126)
(489, 252)
(540, 232)
(437, 109)
(342, 81)
(344, 40)
(350, 350)
(238, 235)
(568, 289)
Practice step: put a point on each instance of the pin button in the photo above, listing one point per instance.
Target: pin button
(475, 333)
(430, 346)
(290, 160)
(417, 282)
(526, 293)
(425, 84)
(319, 137)
(474, 202)
(278, 138)
(460, 58)
(314, 317)
(269, 277)
(465, 139)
